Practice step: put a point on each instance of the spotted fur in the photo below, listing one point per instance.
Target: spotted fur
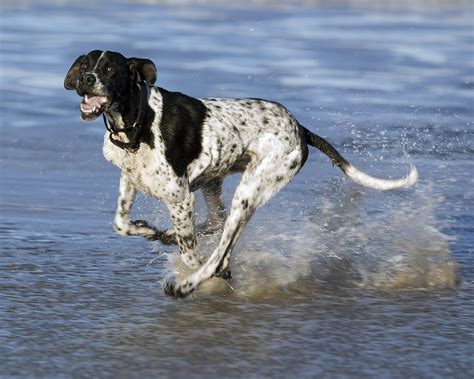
(192, 144)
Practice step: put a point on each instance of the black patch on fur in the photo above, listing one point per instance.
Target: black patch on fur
(181, 127)
(147, 135)
(130, 113)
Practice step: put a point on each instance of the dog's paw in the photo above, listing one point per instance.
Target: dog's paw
(177, 290)
(224, 274)
(141, 224)
(120, 230)
(142, 228)
(134, 228)
(167, 237)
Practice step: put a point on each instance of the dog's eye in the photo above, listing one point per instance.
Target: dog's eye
(109, 69)
(83, 66)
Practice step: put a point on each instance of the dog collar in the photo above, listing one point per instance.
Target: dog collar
(133, 132)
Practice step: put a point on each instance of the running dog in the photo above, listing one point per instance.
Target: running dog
(168, 145)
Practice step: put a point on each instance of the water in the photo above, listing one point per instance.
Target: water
(330, 279)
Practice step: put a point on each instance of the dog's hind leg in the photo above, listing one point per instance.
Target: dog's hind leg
(260, 181)
(212, 192)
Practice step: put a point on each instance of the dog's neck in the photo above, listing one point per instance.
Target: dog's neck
(124, 121)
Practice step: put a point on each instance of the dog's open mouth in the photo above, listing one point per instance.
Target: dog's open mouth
(93, 106)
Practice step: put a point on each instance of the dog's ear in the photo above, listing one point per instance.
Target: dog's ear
(143, 68)
(73, 74)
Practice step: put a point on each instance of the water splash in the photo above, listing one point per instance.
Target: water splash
(342, 244)
(414, 251)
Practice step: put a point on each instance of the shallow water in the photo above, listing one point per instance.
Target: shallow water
(329, 279)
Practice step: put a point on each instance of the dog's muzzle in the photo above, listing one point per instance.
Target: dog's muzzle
(92, 105)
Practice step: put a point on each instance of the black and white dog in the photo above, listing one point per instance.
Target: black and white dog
(168, 145)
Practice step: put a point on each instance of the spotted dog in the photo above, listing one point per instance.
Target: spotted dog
(168, 145)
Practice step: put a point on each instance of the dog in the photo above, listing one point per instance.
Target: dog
(168, 145)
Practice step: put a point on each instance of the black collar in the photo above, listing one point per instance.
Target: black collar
(133, 132)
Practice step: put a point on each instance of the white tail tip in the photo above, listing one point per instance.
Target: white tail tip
(381, 184)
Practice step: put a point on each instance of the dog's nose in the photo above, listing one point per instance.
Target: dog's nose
(88, 79)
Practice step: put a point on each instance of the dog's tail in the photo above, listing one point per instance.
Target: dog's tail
(356, 175)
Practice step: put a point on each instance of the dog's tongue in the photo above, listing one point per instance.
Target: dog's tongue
(92, 103)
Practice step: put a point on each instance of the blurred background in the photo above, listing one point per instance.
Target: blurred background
(329, 279)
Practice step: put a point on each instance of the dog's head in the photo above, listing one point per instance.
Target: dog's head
(105, 78)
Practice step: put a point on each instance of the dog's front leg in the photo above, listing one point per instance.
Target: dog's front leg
(122, 223)
(182, 216)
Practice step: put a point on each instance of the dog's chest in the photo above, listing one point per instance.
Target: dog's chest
(147, 169)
